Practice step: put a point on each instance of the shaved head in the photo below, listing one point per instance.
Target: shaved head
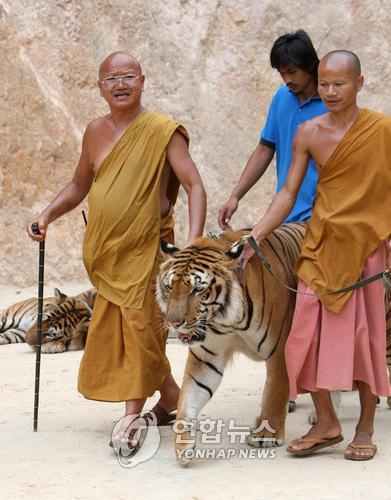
(339, 81)
(116, 58)
(340, 58)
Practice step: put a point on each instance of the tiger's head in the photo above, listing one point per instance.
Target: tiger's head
(198, 289)
(60, 318)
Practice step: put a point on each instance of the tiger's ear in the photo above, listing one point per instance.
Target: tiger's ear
(168, 249)
(86, 306)
(235, 252)
(59, 296)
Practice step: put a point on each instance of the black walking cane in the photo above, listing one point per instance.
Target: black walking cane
(84, 217)
(35, 230)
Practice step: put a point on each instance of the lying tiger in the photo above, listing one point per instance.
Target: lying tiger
(206, 305)
(65, 322)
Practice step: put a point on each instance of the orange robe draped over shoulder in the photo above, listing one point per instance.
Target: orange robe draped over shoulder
(352, 209)
(122, 235)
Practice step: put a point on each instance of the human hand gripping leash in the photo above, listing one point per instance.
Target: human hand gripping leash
(35, 230)
(385, 275)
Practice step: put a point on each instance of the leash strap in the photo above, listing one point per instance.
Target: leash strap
(385, 275)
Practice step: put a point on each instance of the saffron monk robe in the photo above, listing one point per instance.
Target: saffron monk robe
(132, 163)
(337, 342)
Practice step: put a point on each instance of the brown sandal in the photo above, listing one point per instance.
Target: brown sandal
(317, 444)
(359, 458)
(162, 416)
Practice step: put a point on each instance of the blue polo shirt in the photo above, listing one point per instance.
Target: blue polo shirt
(285, 114)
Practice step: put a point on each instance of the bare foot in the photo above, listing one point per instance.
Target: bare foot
(127, 432)
(362, 447)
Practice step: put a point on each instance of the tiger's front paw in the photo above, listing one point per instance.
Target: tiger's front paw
(291, 406)
(185, 438)
(184, 455)
(265, 436)
(53, 347)
(72, 346)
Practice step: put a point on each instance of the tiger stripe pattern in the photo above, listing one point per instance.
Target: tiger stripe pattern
(209, 306)
(65, 321)
(16, 319)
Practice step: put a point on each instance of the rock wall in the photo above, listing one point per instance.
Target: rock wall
(206, 64)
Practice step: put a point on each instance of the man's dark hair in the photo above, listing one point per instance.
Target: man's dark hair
(295, 49)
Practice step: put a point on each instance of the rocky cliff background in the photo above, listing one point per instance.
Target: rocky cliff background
(206, 64)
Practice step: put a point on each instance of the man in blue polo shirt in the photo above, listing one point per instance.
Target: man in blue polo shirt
(295, 58)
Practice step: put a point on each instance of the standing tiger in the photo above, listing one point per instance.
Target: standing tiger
(65, 321)
(207, 306)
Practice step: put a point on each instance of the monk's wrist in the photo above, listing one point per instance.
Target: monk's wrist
(258, 234)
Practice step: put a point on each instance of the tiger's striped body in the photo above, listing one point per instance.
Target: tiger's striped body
(17, 319)
(64, 322)
(206, 305)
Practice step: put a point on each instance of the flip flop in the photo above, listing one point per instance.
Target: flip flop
(128, 445)
(163, 417)
(360, 458)
(130, 449)
(318, 444)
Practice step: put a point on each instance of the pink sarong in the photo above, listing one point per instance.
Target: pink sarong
(332, 351)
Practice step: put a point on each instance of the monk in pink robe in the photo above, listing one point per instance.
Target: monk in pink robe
(337, 342)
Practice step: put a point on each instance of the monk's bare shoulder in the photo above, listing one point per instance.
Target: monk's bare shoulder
(305, 132)
(315, 123)
(309, 130)
(96, 127)
(94, 142)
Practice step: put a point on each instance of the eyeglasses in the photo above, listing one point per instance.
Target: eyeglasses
(111, 81)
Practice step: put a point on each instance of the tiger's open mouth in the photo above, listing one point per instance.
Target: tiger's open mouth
(191, 338)
(186, 337)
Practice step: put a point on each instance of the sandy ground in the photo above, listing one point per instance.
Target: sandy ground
(69, 457)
